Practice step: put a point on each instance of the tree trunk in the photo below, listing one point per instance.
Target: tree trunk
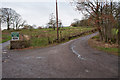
(8, 26)
(16, 26)
(98, 21)
(100, 32)
(53, 27)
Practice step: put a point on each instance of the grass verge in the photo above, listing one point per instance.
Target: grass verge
(102, 46)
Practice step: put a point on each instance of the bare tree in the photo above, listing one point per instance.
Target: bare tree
(7, 16)
(34, 26)
(92, 8)
(60, 23)
(77, 22)
(11, 17)
(118, 18)
(22, 23)
(52, 21)
(102, 13)
(18, 22)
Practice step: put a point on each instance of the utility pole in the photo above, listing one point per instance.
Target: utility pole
(119, 34)
(57, 20)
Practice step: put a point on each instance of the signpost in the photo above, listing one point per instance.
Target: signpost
(15, 35)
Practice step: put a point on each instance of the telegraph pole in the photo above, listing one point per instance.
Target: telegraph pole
(57, 20)
(119, 34)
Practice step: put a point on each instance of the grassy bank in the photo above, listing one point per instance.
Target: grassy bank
(113, 50)
(102, 46)
(6, 36)
(42, 37)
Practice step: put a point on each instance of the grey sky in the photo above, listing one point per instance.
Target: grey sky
(34, 0)
(51, 0)
(38, 12)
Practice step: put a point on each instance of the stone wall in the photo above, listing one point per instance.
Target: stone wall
(19, 44)
(73, 36)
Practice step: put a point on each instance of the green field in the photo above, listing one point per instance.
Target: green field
(39, 37)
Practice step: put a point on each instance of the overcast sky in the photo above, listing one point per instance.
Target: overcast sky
(34, 0)
(38, 11)
(46, 0)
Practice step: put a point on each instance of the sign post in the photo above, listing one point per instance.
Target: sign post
(15, 35)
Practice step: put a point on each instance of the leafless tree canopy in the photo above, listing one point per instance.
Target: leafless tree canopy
(11, 18)
(52, 22)
(104, 14)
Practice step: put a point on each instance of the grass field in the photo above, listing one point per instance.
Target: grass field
(39, 37)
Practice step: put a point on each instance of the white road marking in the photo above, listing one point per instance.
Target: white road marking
(39, 57)
(31, 57)
(79, 56)
(86, 70)
(83, 38)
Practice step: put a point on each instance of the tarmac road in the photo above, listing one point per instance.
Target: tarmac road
(74, 59)
(4, 44)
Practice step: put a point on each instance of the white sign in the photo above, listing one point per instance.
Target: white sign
(15, 35)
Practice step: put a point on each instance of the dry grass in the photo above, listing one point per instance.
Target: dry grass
(107, 47)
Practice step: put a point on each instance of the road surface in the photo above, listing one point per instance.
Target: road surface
(4, 47)
(74, 59)
(5, 44)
